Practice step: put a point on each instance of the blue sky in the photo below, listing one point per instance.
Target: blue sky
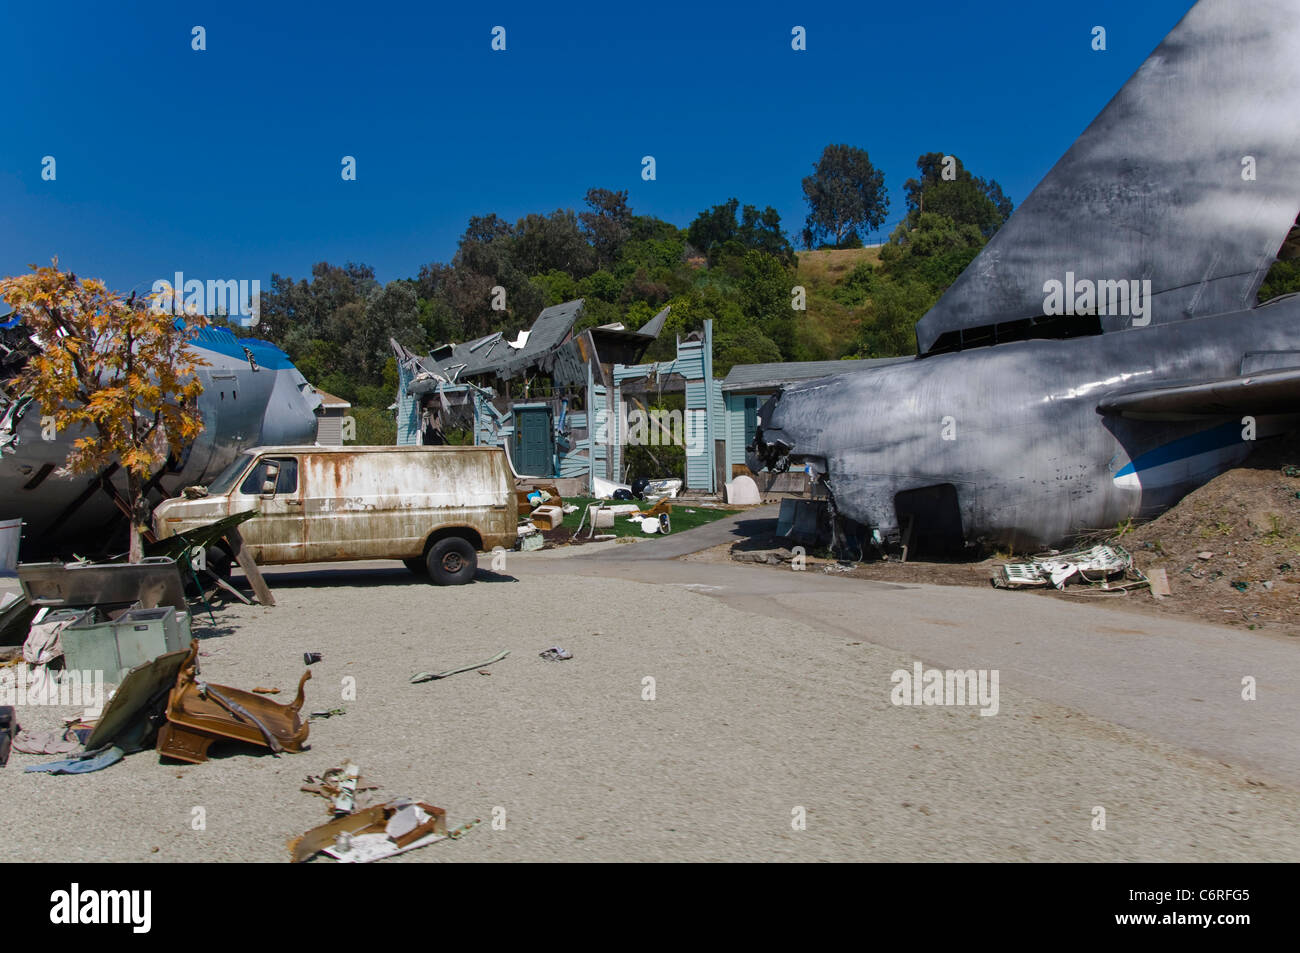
(226, 163)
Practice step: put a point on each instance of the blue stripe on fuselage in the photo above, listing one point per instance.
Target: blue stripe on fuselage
(1207, 441)
(221, 341)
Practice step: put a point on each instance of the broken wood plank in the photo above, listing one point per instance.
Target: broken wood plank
(230, 589)
(246, 563)
(1159, 581)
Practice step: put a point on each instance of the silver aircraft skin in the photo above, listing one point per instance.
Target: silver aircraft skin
(1042, 424)
(252, 395)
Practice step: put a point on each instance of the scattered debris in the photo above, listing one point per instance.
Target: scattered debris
(605, 489)
(31, 741)
(84, 763)
(1159, 581)
(327, 713)
(1101, 564)
(547, 517)
(311, 658)
(155, 581)
(374, 833)
(743, 491)
(340, 786)
(199, 713)
(464, 829)
(114, 646)
(556, 654)
(432, 676)
(8, 727)
(135, 711)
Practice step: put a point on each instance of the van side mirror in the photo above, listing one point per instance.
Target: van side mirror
(269, 480)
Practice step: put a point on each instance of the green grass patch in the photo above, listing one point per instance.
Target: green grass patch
(681, 519)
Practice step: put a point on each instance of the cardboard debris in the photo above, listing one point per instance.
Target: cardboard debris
(374, 833)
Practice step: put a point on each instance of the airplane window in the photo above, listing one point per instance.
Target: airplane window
(286, 483)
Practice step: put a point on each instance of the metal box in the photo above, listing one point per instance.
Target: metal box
(117, 646)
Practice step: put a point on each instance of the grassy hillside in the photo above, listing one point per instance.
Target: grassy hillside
(834, 316)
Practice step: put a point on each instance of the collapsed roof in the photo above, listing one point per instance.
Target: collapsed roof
(549, 346)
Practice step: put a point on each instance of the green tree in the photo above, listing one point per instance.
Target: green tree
(889, 326)
(554, 242)
(117, 374)
(607, 223)
(744, 345)
(947, 187)
(714, 230)
(392, 313)
(845, 195)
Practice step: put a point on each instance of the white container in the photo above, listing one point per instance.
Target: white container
(11, 532)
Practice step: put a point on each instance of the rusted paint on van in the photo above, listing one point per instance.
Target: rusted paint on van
(363, 503)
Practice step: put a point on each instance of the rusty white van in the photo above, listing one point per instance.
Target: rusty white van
(434, 508)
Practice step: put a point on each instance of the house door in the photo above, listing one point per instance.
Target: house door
(534, 445)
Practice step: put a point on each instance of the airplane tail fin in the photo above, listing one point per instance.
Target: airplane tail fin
(1188, 179)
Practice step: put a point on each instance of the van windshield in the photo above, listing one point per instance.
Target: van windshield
(227, 477)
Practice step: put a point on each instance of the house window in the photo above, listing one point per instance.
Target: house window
(751, 420)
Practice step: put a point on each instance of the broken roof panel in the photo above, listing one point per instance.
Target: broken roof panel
(492, 354)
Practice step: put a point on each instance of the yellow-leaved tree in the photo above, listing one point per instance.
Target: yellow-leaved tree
(116, 374)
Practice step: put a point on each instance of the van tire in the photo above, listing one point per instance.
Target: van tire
(417, 565)
(452, 561)
(218, 561)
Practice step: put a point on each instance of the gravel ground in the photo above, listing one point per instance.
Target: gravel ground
(751, 721)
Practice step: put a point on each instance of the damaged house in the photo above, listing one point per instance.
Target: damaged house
(561, 402)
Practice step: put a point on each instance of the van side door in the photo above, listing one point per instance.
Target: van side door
(273, 487)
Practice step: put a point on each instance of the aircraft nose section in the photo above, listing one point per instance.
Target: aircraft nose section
(290, 413)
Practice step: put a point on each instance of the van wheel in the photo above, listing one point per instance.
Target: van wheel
(218, 561)
(452, 561)
(417, 565)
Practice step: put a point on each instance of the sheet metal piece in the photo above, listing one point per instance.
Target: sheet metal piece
(154, 582)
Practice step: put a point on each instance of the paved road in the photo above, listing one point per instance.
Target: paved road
(1177, 680)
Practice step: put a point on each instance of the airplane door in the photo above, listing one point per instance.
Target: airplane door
(274, 488)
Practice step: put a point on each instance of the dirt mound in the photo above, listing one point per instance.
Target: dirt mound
(1232, 548)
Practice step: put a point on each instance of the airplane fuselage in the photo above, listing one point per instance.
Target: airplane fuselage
(1015, 430)
(244, 403)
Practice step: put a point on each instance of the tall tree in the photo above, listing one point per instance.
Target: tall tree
(607, 223)
(116, 373)
(845, 195)
(554, 242)
(753, 231)
(946, 187)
